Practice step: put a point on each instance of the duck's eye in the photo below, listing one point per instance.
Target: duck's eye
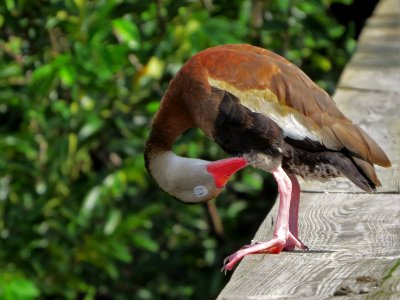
(200, 191)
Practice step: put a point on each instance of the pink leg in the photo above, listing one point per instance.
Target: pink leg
(293, 213)
(286, 220)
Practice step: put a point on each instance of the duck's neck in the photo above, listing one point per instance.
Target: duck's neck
(174, 174)
(169, 123)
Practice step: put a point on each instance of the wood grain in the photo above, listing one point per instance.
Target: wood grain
(376, 63)
(388, 7)
(354, 238)
(353, 241)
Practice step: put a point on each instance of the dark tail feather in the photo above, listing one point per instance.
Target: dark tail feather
(358, 171)
(367, 169)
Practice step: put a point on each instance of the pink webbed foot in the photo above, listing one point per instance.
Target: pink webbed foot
(274, 246)
(286, 229)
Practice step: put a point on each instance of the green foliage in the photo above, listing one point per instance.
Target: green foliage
(79, 83)
(15, 286)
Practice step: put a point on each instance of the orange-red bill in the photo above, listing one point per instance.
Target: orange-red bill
(223, 169)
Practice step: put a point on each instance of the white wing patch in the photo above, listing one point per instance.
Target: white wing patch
(294, 129)
(266, 103)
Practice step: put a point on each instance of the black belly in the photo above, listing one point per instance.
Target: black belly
(310, 165)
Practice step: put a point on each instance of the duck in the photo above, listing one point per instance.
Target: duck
(265, 113)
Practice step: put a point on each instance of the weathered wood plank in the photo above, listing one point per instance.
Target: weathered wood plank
(375, 65)
(380, 30)
(388, 7)
(366, 57)
(387, 79)
(353, 244)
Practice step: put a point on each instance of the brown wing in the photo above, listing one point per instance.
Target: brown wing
(267, 83)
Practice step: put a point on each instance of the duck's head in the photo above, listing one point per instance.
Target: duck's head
(193, 180)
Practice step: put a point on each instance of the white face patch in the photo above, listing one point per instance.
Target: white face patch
(200, 191)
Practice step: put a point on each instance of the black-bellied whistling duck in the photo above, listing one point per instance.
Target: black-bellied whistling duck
(267, 113)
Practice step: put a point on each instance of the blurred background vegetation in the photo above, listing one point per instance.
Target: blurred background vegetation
(79, 83)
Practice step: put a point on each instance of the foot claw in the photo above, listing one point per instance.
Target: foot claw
(224, 270)
(229, 262)
(293, 242)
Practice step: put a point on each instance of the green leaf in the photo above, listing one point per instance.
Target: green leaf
(121, 252)
(67, 75)
(92, 126)
(322, 62)
(10, 70)
(336, 31)
(42, 79)
(113, 220)
(127, 32)
(143, 240)
(234, 210)
(10, 4)
(15, 287)
(90, 201)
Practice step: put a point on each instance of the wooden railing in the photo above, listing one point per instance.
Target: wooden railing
(354, 237)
